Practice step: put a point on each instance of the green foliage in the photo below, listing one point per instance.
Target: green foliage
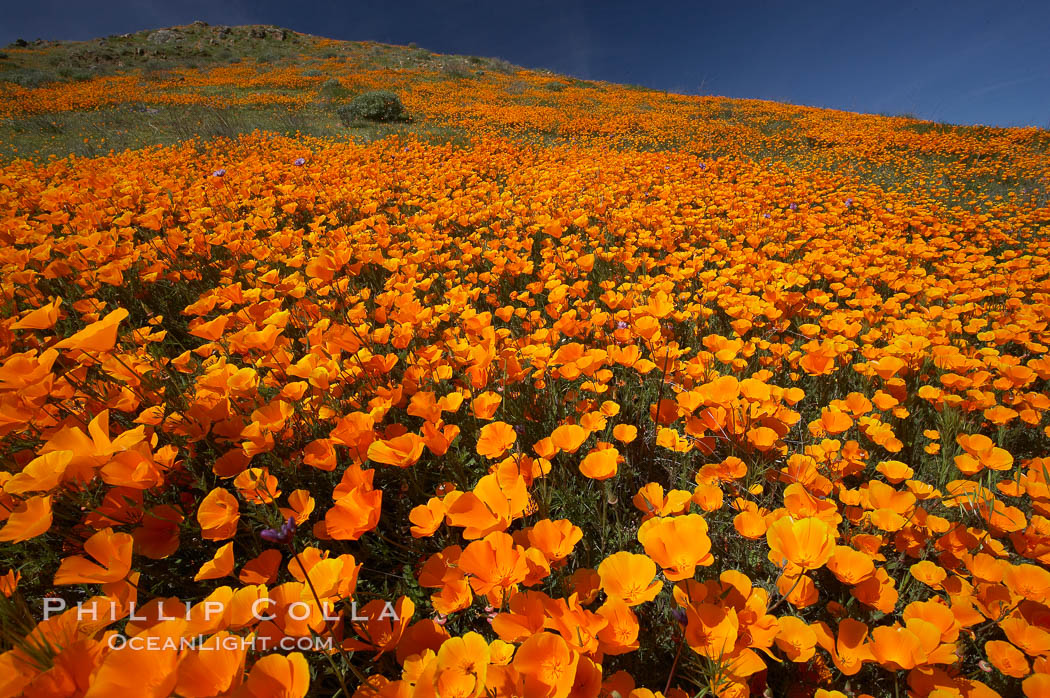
(331, 90)
(74, 74)
(377, 105)
(28, 77)
(458, 69)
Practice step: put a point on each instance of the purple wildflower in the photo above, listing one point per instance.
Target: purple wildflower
(299, 162)
(281, 536)
(219, 173)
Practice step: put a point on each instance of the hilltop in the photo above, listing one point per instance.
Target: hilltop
(166, 85)
(202, 45)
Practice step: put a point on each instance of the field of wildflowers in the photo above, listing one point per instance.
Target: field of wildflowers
(620, 393)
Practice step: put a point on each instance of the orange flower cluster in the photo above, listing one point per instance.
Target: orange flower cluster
(996, 167)
(506, 420)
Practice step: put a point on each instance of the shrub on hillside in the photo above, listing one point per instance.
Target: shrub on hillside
(457, 69)
(332, 91)
(377, 105)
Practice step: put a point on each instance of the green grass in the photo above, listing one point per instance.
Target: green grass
(95, 133)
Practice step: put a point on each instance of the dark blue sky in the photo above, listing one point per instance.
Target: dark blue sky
(964, 62)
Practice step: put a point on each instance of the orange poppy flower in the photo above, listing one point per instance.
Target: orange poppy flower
(929, 573)
(835, 421)
(762, 438)
(278, 676)
(1036, 686)
(41, 474)
(257, 485)
(496, 500)
(420, 637)
(439, 440)
(600, 464)
(219, 566)
(320, 454)
(484, 406)
(625, 433)
(9, 582)
(620, 635)
(384, 626)
(112, 551)
(354, 513)
(670, 439)
(806, 543)
(427, 518)
(1029, 581)
(213, 668)
(981, 452)
(678, 544)
(495, 565)
(547, 666)
(402, 451)
(300, 506)
(711, 629)
(495, 439)
(42, 318)
(895, 471)
(555, 539)
(461, 667)
(578, 626)
(850, 566)
(29, 519)
(796, 639)
(569, 437)
(218, 514)
(527, 616)
(210, 330)
(897, 648)
(262, 569)
(140, 672)
(652, 501)
(585, 583)
(99, 336)
(629, 577)
(850, 650)
(708, 496)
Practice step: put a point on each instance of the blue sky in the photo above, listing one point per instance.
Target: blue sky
(963, 62)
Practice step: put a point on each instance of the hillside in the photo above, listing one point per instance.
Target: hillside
(170, 84)
(549, 388)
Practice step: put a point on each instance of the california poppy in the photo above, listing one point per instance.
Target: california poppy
(495, 439)
(219, 566)
(112, 554)
(629, 577)
(218, 514)
(677, 543)
(806, 543)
